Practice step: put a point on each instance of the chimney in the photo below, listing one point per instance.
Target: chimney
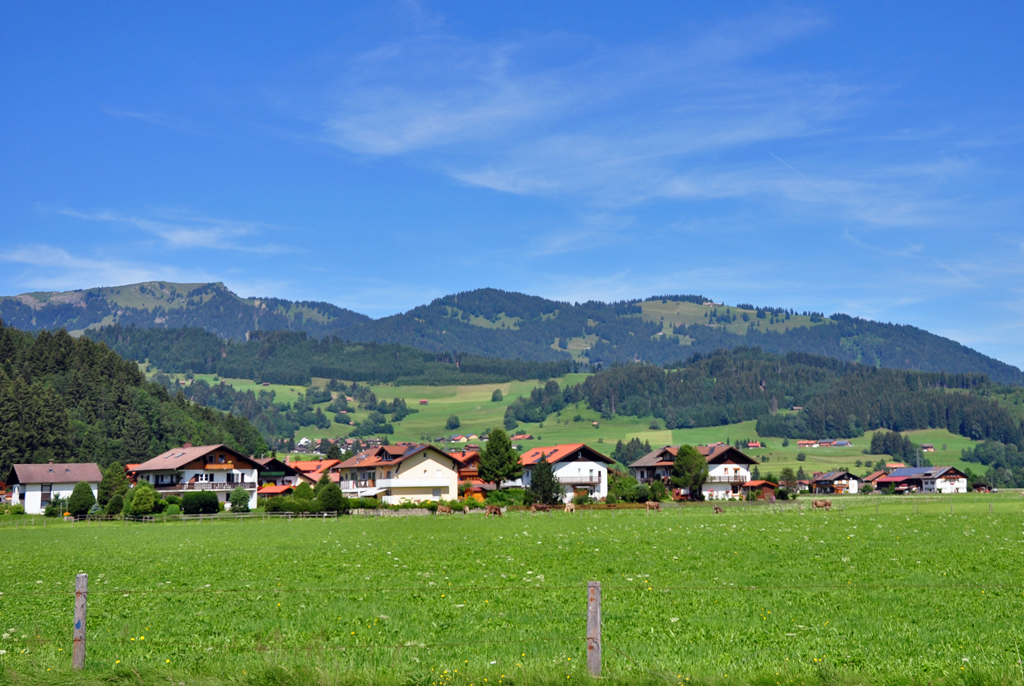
(187, 445)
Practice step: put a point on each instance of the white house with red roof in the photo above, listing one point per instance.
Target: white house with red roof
(578, 467)
(216, 468)
(728, 469)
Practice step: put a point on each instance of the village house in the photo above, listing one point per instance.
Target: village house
(580, 469)
(470, 483)
(728, 470)
(925, 480)
(400, 473)
(311, 470)
(835, 482)
(219, 469)
(807, 444)
(277, 477)
(872, 478)
(36, 485)
(762, 490)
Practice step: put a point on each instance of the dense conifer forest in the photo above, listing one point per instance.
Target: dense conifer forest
(64, 399)
(286, 357)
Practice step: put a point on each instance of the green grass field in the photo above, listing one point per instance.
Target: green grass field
(751, 596)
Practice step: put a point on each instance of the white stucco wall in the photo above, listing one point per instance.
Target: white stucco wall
(30, 495)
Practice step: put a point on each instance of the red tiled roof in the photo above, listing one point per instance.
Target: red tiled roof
(312, 465)
(275, 490)
(559, 452)
(759, 483)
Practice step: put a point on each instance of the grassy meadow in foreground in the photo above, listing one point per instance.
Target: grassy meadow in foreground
(751, 596)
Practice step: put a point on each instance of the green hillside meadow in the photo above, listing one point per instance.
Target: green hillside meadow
(477, 414)
(873, 593)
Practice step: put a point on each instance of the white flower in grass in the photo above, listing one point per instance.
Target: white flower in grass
(674, 620)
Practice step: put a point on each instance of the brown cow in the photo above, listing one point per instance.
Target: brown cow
(492, 510)
(822, 505)
(652, 505)
(570, 508)
(444, 509)
(540, 507)
(718, 510)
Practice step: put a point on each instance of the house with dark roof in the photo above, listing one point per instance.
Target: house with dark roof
(579, 468)
(219, 469)
(728, 469)
(925, 480)
(36, 485)
(835, 482)
(470, 483)
(400, 473)
(277, 477)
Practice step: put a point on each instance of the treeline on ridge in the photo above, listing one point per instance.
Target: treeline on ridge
(288, 357)
(838, 399)
(64, 399)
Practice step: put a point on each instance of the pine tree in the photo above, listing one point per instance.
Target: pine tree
(134, 439)
(543, 486)
(498, 461)
(690, 470)
(114, 482)
(334, 452)
(325, 480)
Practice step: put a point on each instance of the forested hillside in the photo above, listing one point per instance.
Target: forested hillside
(492, 323)
(837, 399)
(74, 400)
(285, 357)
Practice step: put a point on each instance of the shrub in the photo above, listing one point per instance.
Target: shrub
(331, 499)
(452, 423)
(303, 492)
(801, 457)
(643, 493)
(173, 509)
(239, 500)
(115, 504)
(611, 499)
(274, 504)
(81, 499)
(581, 499)
(143, 500)
(367, 503)
(658, 491)
(200, 502)
(159, 505)
(55, 508)
(497, 396)
(173, 500)
(16, 510)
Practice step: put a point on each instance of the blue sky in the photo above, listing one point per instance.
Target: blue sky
(855, 157)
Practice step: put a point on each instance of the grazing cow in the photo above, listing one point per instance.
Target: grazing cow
(492, 510)
(718, 510)
(465, 509)
(652, 505)
(444, 509)
(540, 507)
(821, 504)
(570, 508)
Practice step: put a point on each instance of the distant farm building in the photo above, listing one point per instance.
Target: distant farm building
(424, 402)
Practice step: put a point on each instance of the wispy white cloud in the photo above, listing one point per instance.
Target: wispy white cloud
(182, 230)
(157, 118)
(51, 268)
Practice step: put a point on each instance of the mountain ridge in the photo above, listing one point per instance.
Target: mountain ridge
(495, 323)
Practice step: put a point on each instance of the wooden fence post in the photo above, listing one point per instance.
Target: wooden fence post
(950, 507)
(594, 628)
(990, 508)
(81, 596)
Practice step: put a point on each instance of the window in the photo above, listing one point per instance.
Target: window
(436, 493)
